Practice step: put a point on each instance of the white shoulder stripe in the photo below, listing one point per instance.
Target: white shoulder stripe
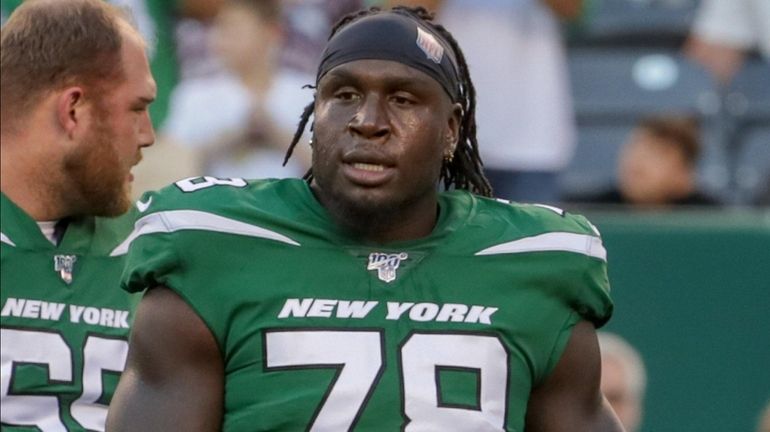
(555, 241)
(4, 238)
(178, 220)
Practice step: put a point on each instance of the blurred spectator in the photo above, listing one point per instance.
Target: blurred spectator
(195, 57)
(657, 167)
(624, 379)
(764, 420)
(725, 31)
(307, 26)
(515, 51)
(763, 199)
(431, 5)
(242, 120)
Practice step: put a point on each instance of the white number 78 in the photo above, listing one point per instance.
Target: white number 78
(358, 356)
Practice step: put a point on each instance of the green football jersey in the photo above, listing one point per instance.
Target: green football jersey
(320, 332)
(64, 322)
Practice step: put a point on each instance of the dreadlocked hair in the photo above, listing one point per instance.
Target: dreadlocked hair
(465, 169)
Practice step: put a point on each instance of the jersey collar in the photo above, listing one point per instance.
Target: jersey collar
(455, 208)
(19, 229)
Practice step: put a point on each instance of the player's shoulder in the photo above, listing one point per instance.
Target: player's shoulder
(533, 219)
(501, 228)
(212, 205)
(563, 247)
(110, 231)
(222, 196)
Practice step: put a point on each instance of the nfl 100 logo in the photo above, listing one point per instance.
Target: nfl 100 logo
(65, 266)
(386, 264)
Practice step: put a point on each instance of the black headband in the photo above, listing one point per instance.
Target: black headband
(395, 37)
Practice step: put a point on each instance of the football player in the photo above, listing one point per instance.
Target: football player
(362, 298)
(75, 91)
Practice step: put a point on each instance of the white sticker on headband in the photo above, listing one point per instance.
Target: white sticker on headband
(429, 45)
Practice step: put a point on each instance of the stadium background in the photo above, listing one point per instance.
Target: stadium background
(692, 288)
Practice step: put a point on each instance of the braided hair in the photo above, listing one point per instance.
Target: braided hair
(465, 169)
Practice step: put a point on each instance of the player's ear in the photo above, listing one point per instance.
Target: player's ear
(70, 110)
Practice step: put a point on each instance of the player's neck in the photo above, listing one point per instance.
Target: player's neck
(402, 229)
(410, 223)
(31, 185)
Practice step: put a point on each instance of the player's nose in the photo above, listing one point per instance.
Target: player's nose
(370, 119)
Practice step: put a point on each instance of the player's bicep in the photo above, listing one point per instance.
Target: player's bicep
(174, 374)
(570, 399)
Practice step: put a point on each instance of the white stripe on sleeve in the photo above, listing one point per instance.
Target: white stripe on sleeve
(4, 238)
(554, 241)
(178, 220)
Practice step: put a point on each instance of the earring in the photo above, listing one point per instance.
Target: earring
(449, 156)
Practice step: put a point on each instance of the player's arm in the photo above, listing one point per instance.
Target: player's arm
(571, 399)
(174, 373)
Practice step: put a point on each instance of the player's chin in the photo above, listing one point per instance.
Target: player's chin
(115, 203)
(117, 207)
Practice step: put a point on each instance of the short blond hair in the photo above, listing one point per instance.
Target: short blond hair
(50, 44)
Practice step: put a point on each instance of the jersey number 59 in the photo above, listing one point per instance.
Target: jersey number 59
(50, 350)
